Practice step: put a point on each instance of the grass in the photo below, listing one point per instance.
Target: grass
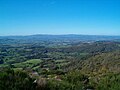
(33, 61)
(34, 64)
(36, 67)
(28, 63)
(61, 62)
(3, 65)
(16, 69)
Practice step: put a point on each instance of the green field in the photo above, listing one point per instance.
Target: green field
(28, 63)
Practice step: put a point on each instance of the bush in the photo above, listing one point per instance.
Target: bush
(10, 80)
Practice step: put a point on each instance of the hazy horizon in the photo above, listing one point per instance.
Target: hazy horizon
(59, 35)
(58, 17)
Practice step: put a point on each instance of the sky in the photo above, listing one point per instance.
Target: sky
(89, 17)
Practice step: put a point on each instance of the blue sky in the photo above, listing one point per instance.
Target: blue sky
(26, 17)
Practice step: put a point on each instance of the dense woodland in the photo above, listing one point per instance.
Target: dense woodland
(60, 63)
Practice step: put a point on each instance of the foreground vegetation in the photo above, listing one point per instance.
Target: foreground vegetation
(74, 80)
